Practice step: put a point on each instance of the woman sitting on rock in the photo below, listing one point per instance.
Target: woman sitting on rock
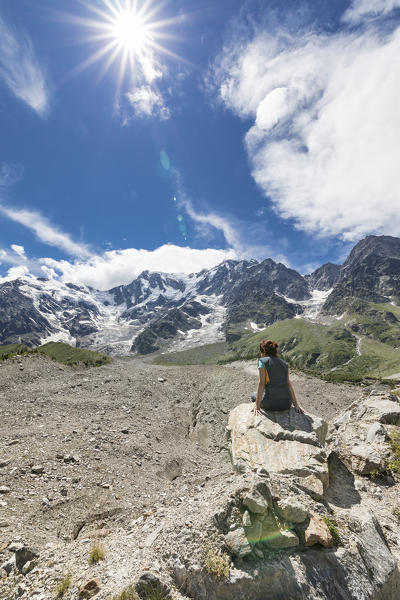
(275, 392)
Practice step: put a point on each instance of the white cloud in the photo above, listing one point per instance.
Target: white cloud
(20, 250)
(360, 9)
(273, 108)
(15, 273)
(146, 101)
(101, 271)
(18, 264)
(117, 267)
(228, 230)
(247, 240)
(324, 143)
(150, 68)
(45, 231)
(10, 258)
(20, 69)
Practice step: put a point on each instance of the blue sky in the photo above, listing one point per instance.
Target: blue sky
(237, 130)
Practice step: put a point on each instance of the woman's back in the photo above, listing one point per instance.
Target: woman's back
(277, 369)
(277, 394)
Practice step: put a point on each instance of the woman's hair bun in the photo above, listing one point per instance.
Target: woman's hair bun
(269, 347)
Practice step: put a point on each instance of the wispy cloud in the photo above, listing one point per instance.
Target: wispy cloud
(246, 239)
(360, 9)
(9, 174)
(45, 231)
(20, 69)
(99, 270)
(323, 144)
(147, 101)
(19, 250)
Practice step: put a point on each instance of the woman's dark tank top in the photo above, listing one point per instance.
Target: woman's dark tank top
(277, 394)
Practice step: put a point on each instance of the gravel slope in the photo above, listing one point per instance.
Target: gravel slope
(84, 450)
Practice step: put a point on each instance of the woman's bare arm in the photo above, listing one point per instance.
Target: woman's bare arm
(261, 385)
(296, 404)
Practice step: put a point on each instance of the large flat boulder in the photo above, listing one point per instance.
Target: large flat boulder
(284, 442)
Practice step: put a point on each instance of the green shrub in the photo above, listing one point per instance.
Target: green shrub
(394, 463)
(396, 511)
(128, 593)
(216, 563)
(332, 526)
(96, 553)
(156, 594)
(394, 466)
(375, 473)
(152, 593)
(63, 585)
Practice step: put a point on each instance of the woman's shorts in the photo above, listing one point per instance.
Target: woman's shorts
(272, 404)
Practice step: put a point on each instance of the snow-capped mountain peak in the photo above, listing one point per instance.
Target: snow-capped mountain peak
(158, 310)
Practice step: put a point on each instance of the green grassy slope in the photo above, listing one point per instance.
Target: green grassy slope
(58, 351)
(328, 351)
(68, 355)
(303, 343)
(377, 321)
(386, 359)
(8, 350)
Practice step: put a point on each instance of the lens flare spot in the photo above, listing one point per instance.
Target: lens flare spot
(164, 159)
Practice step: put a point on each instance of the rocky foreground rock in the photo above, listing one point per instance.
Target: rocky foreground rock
(286, 537)
(310, 510)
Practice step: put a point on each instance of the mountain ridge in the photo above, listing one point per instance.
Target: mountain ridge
(158, 311)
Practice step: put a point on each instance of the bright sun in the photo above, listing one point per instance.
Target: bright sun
(131, 32)
(125, 31)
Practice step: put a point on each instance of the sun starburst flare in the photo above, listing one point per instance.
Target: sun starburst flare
(128, 31)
